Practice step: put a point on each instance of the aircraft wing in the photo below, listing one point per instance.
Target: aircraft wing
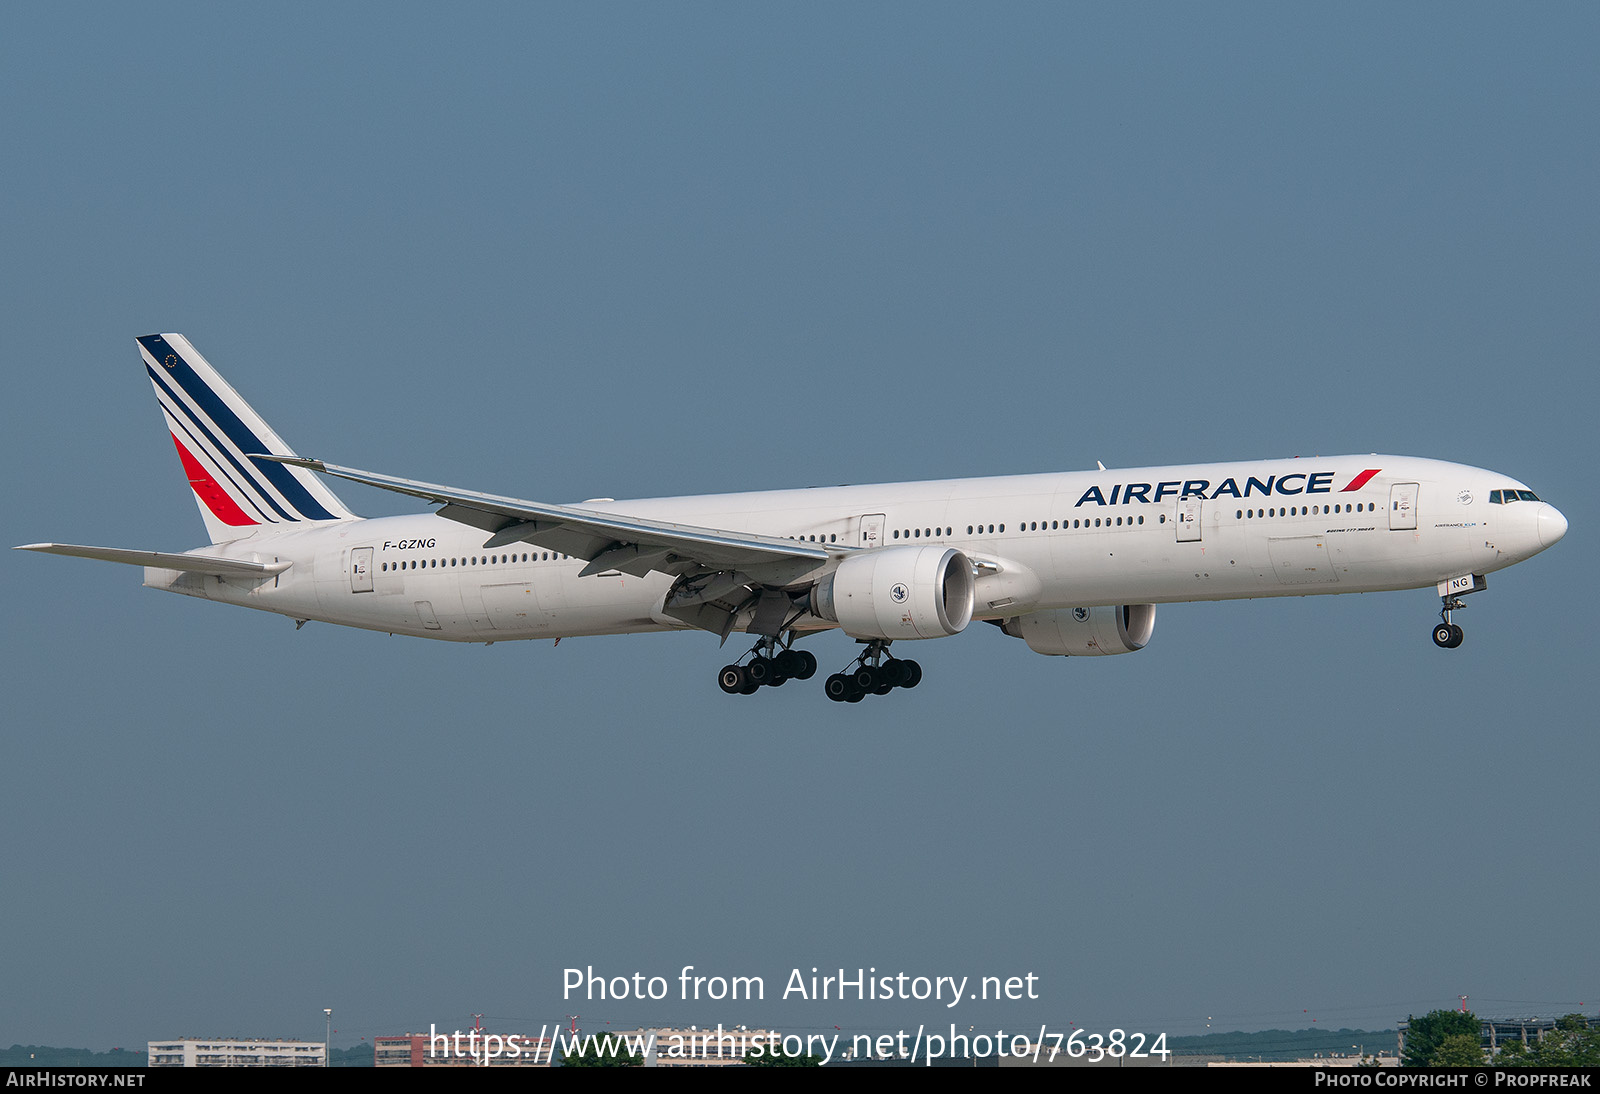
(609, 541)
(195, 564)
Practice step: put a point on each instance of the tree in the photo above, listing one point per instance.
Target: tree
(1458, 1050)
(1424, 1035)
(1573, 1043)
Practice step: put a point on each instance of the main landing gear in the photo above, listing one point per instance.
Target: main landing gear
(1448, 635)
(769, 667)
(872, 674)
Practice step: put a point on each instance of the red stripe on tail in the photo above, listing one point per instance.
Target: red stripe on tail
(216, 499)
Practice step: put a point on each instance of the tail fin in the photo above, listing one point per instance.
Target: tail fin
(216, 433)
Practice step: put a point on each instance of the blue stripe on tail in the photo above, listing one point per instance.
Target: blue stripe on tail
(242, 436)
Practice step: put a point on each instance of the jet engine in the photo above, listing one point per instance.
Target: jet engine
(898, 592)
(1085, 632)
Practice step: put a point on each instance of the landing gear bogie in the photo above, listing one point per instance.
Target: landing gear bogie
(873, 673)
(770, 666)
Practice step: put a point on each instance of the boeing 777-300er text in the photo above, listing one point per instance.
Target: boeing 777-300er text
(1071, 563)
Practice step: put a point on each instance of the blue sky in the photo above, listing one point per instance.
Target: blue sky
(561, 253)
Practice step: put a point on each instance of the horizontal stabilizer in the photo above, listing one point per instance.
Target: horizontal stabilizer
(166, 560)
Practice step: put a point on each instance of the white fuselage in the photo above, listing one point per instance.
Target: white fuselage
(1141, 536)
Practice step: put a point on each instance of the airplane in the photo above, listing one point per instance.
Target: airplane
(1071, 563)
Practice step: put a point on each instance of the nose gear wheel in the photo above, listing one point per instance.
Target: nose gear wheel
(1448, 635)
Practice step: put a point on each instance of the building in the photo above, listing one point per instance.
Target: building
(237, 1052)
(461, 1048)
(1494, 1032)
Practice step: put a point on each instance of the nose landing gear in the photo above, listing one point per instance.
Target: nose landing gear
(1448, 635)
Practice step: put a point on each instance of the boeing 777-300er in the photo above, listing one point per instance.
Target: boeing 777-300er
(1072, 563)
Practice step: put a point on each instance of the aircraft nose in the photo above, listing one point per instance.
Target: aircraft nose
(1552, 525)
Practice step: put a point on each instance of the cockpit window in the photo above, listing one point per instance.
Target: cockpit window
(1506, 497)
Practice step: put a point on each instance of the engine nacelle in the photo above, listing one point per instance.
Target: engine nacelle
(898, 592)
(1085, 632)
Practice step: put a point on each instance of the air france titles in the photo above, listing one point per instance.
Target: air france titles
(1318, 482)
